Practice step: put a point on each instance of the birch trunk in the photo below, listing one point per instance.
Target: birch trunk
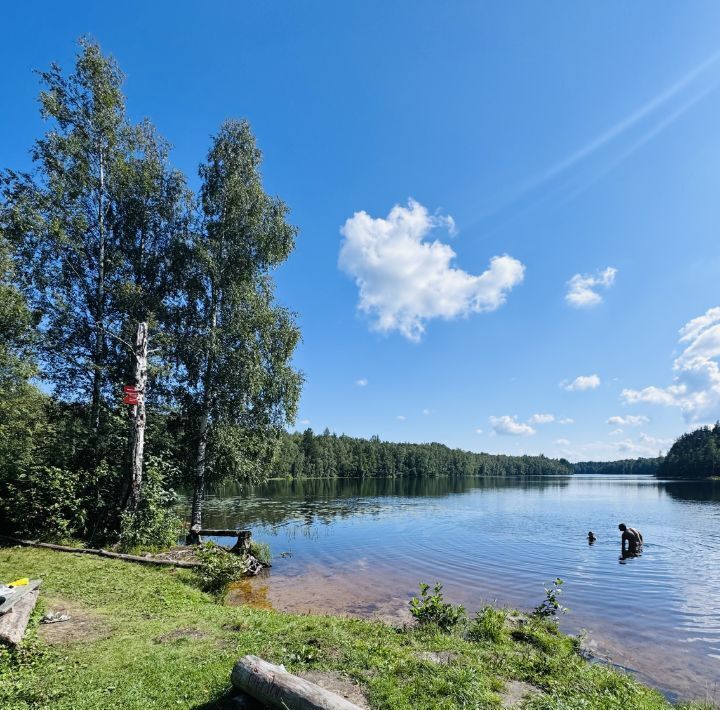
(138, 417)
(99, 348)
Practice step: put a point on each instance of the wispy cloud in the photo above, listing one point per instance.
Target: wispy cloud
(362, 382)
(626, 124)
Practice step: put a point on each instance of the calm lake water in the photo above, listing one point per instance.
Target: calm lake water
(360, 547)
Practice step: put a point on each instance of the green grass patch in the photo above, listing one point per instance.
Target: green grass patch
(154, 640)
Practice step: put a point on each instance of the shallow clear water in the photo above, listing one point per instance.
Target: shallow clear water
(361, 547)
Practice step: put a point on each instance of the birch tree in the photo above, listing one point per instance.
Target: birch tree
(60, 218)
(236, 342)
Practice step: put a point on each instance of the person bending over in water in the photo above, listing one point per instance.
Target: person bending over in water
(632, 537)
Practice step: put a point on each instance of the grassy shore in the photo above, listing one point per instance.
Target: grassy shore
(149, 638)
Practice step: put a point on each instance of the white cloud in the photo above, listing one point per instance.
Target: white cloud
(630, 420)
(405, 279)
(582, 382)
(582, 288)
(562, 442)
(401, 417)
(510, 426)
(362, 382)
(478, 431)
(696, 386)
(644, 445)
(566, 420)
(304, 421)
(541, 419)
(426, 412)
(616, 432)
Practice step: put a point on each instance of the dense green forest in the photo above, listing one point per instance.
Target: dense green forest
(308, 455)
(694, 455)
(632, 467)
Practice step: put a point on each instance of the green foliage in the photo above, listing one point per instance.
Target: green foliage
(154, 524)
(220, 567)
(550, 607)
(488, 625)
(260, 551)
(432, 609)
(44, 502)
(326, 455)
(694, 455)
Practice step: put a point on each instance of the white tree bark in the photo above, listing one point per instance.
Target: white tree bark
(138, 417)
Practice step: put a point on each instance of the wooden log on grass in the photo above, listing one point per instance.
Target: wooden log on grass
(14, 623)
(274, 686)
(101, 553)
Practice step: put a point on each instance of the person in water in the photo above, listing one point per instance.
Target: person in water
(591, 537)
(632, 539)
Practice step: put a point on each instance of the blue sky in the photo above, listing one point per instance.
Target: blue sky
(540, 185)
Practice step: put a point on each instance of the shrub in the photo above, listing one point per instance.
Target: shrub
(488, 625)
(433, 609)
(44, 502)
(550, 607)
(220, 567)
(153, 525)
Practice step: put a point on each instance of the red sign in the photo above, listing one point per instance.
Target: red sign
(130, 389)
(131, 399)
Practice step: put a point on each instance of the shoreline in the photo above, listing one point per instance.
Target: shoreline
(144, 637)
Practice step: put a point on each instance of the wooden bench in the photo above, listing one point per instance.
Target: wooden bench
(242, 545)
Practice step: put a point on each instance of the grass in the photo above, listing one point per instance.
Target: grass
(152, 639)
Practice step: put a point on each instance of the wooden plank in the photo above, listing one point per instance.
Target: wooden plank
(15, 595)
(14, 623)
(277, 688)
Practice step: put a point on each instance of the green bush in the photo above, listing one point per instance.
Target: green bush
(153, 525)
(433, 609)
(220, 567)
(488, 625)
(44, 502)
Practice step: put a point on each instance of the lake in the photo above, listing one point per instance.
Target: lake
(360, 547)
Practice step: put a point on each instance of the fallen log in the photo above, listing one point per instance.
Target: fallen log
(14, 623)
(274, 686)
(101, 553)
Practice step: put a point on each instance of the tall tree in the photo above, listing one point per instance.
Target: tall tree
(61, 217)
(239, 386)
(151, 223)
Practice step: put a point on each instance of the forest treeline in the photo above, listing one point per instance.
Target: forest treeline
(631, 467)
(694, 455)
(309, 455)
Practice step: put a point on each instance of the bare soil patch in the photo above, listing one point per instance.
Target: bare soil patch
(83, 624)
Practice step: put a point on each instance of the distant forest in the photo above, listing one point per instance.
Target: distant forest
(694, 455)
(309, 455)
(633, 467)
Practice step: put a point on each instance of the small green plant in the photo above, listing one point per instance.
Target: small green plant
(550, 607)
(220, 567)
(488, 625)
(433, 609)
